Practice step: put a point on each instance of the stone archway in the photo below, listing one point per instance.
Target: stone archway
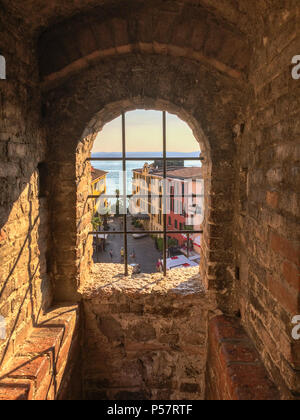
(202, 98)
(83, 152)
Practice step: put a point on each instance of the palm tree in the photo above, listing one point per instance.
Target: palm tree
(118, 203)
(97, 222)
(105, 218)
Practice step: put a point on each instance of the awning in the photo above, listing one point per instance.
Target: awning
(197, 241)
(99, 236)
(180, 261)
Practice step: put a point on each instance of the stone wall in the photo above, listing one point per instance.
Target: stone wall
(145, 336)
(267, 223)
(24, 287)
(84, 208)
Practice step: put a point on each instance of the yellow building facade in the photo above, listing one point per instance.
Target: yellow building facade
(98, 185)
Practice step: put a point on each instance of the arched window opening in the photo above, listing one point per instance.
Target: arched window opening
(147, 193)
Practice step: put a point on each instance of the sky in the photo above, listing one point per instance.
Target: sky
(144, 134)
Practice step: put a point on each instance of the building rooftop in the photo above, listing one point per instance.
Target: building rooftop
(97, 173)
(177, 173)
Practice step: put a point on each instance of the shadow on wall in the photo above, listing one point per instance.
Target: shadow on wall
(24, 291)
(48, 358)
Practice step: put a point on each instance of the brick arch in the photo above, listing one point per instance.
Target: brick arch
(180, 30)
(208, 102)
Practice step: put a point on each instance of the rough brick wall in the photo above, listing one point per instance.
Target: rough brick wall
(46, 365)
(159, 27)
(145, 336)
(84, 209)
(234, 369)
(268, 224)
(24, 287)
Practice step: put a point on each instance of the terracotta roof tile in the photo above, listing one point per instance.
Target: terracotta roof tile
(97, 173)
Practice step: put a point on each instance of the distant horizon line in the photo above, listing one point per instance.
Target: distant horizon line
(148, 153)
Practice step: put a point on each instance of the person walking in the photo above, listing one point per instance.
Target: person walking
(132, 255)
(122, 254)
(159, 266)
(111, 254)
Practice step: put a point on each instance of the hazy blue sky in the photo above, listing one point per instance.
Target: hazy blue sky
(144, 134)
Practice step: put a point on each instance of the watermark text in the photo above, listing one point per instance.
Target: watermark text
(2, 328)
(296, 329)
(2, 68)
(296, 69)
(158, 196)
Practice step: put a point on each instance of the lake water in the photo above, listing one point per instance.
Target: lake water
(115, 174)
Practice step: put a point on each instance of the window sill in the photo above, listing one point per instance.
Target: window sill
(109, 278)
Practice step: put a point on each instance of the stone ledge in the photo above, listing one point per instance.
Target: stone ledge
(38, 369)
(234, 369)
(107, 279)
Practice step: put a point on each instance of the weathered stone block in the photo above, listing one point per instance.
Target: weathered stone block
(157, 344)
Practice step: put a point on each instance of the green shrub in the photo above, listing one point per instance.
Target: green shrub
(160, 244)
